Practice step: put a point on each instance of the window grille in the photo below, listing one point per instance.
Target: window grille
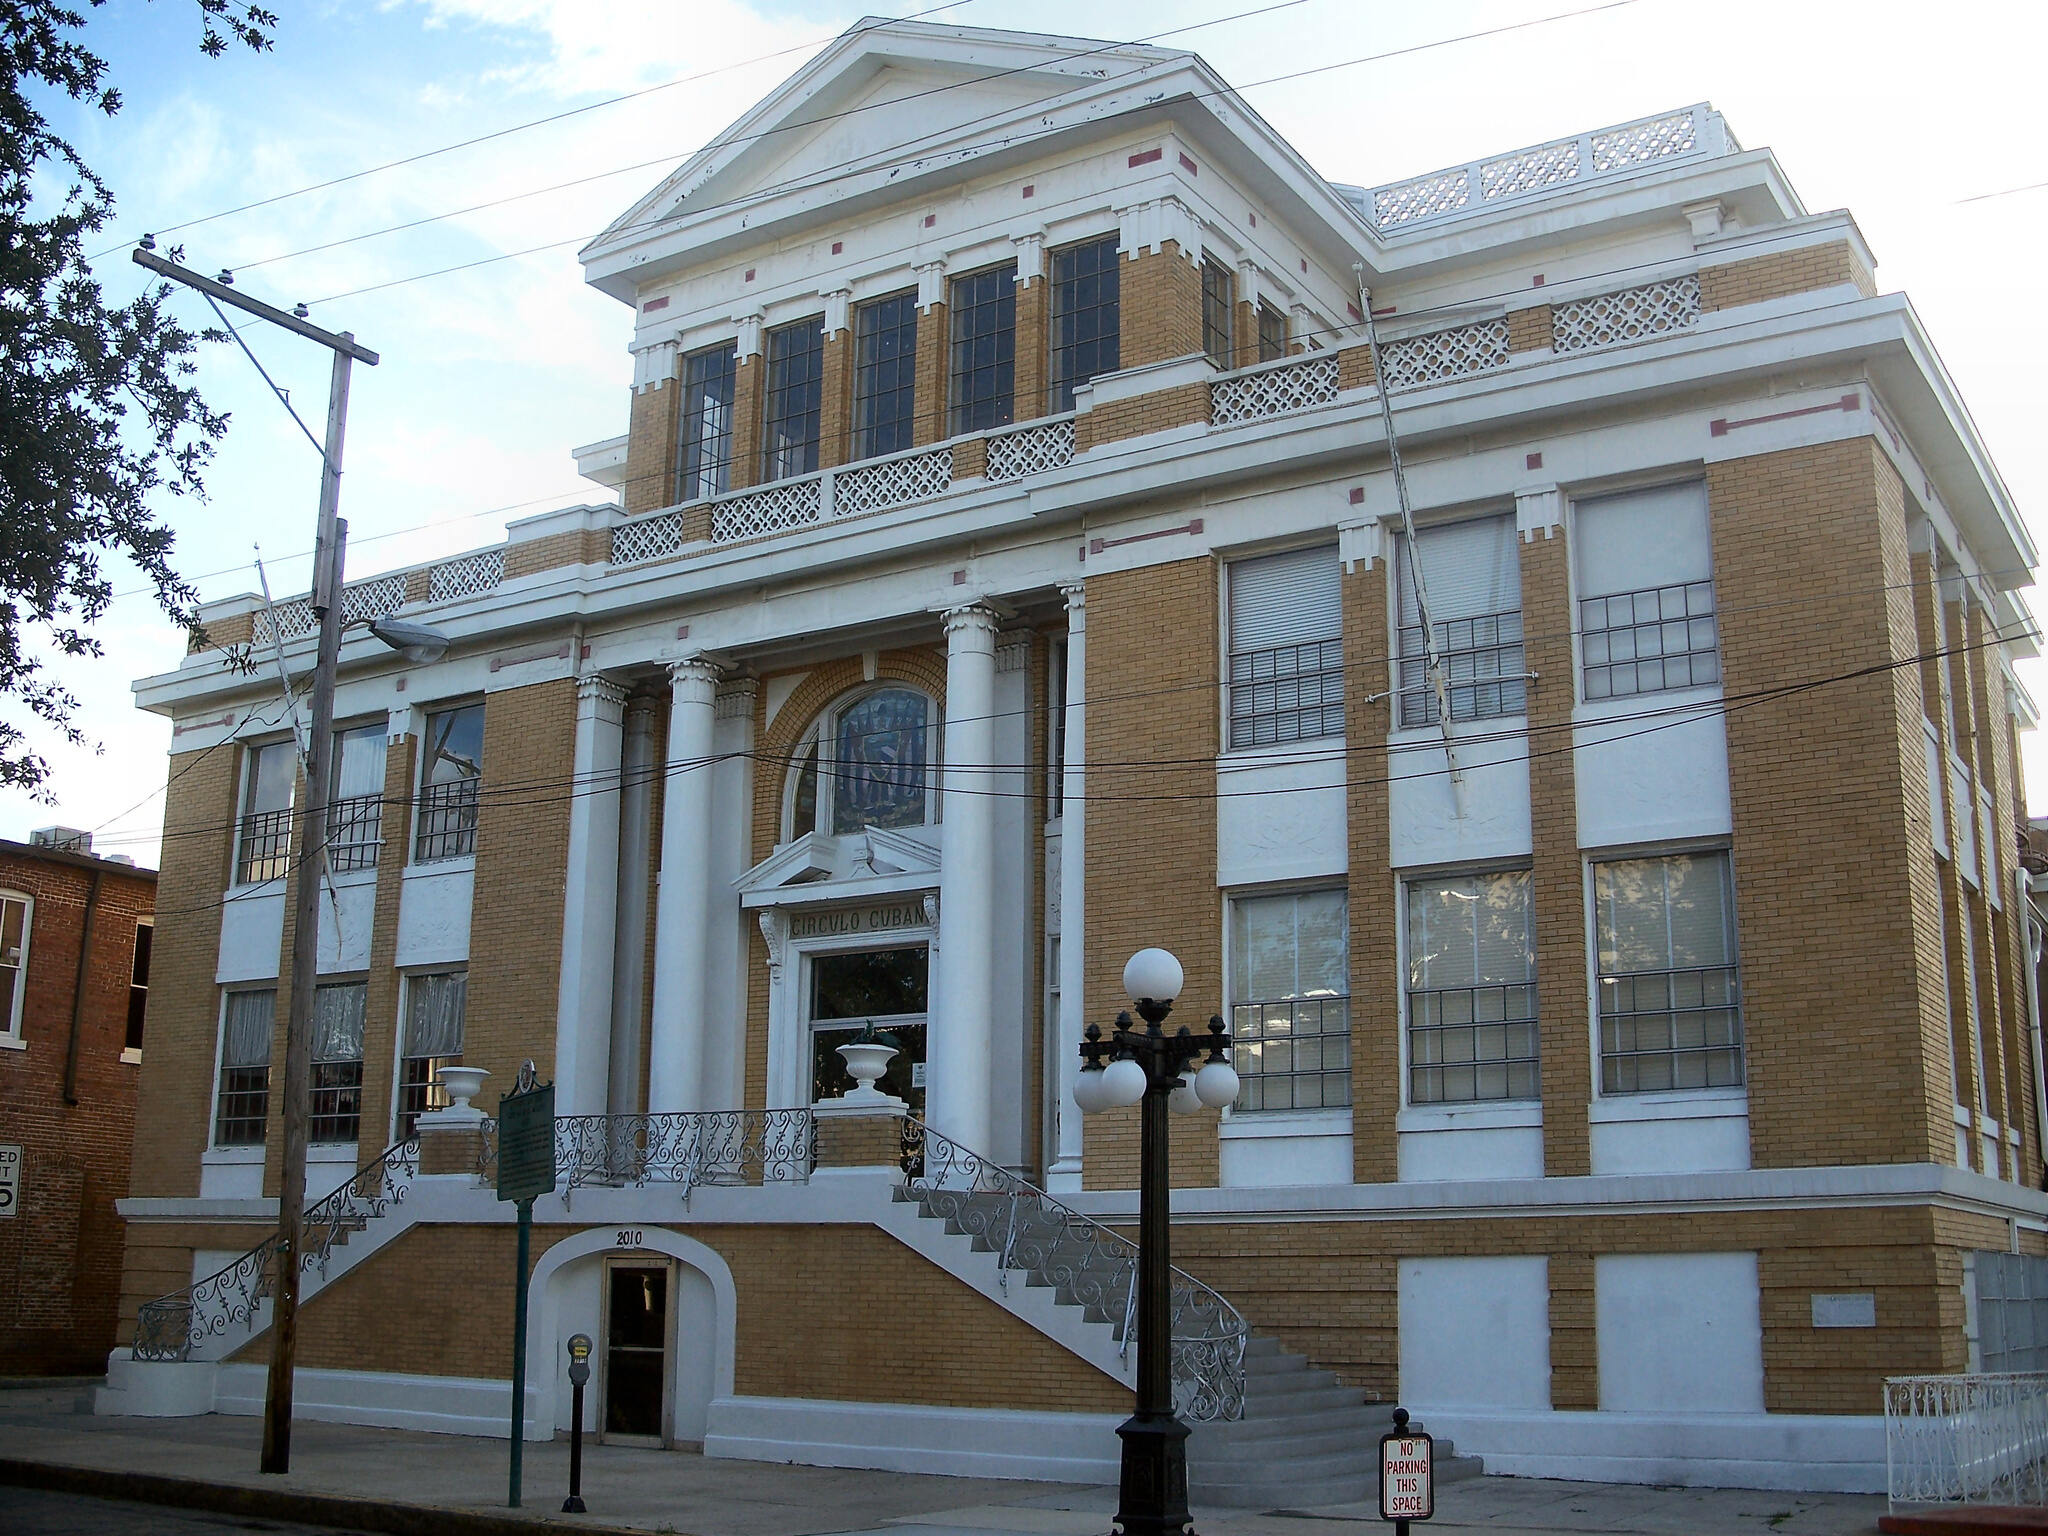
(796, 381)
(1290, 1004)
(1649, 641)
(1272, 334)
(334, 1110)
(1286, 648)
(1472, 574)
(1669, 994)
(984, 368)
(884, 374)
(355, 806)
(264, 844)
(1086, 325)
(450, 776)
(242, 1095)
(434, 1009)
(1471, 989)
(1218, 302)
(706, 459)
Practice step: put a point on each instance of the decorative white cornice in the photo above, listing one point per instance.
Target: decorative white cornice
(600, 695)
(1013, 650)
(838, 310)
(749, 338)
(931, 284)
(1030, 256)
(1539, 512)
(1148, 226)
(1361, 542)
(971, 625)
(694, 680)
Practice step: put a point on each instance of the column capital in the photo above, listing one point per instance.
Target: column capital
(1076, 595)
(838, 309)
(970, 622)
(694, 679)
(595, 691)
(736, 699)
(749, 326)
(1030, 256)
(1538, 510)
(931, 283)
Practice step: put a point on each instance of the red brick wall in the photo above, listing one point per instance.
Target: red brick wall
(60, 1254)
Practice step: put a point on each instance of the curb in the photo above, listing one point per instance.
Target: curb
(380, 1515)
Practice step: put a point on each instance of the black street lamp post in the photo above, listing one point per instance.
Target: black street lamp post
(1149, 1067)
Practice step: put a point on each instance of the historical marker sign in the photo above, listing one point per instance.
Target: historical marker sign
(10, 1181)
(1407, 1488)
(526, 1144)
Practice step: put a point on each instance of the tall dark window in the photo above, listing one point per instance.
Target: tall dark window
(984, 317)
(1272, 334)
(796, 381)
(884, 371)
(138, 983)
(706, 460)
(242, 1092)
(450, 777)
(1217, 303)
(1085, 330)
(334, 1109)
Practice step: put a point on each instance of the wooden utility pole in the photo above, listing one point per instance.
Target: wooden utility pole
(309, 848)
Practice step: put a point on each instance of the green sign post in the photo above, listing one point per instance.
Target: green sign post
(526, 1170)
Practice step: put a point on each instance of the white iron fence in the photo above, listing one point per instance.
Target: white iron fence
(1967, 1439)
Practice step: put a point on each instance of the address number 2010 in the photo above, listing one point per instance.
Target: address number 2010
(630, 1237)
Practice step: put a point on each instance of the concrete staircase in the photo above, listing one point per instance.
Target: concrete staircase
(1304, 1438)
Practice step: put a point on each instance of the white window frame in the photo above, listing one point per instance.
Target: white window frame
(1657, 1102)
(1231, 686)
(1463, 1108)
(1657, 481)
(824, 728)
(11, 1037)
(406, 981)
(240, 1151)
(1281, 1120)
(1400, 581)
(251, 753)
(420, 786)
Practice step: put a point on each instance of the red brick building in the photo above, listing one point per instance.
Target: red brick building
(75, 934)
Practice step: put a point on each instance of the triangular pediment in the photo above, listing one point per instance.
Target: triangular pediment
(859, 861)
(881, 91)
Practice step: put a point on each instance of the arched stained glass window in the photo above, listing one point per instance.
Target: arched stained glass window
(865, 763)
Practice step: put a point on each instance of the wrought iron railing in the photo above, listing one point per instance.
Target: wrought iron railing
(1086, 1262)
(169, 1327)
(721, 1146)
(1966, 1439)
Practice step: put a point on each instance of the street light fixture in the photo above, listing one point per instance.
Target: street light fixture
(415, 642)
(1150, 1066)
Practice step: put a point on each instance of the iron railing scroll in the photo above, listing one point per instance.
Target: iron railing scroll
(1084, 1261)
(724, 1146)
(1978, 1439)
(171, 1326)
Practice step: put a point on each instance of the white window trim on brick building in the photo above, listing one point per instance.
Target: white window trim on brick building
(11, 1037)
(1284, 666)
(413, 984)
(1643, 600)
(237, 1151)
(1323, 1000)
(815, 751)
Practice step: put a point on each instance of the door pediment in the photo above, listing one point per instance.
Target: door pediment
(822, 867)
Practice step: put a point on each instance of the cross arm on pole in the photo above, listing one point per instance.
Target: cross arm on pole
(270, 312)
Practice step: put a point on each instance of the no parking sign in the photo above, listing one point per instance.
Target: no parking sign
(1407, 1482)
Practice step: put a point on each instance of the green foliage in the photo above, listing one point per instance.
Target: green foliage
(97, 413)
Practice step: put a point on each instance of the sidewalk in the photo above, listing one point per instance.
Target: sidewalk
(406, 1481)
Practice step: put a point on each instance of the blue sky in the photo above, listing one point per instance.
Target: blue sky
(491, 376)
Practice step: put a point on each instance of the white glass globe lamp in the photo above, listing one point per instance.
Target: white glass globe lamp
(1088, 1090)
(1123, 1082)
(1216, 1084)
(1185, 1099)
(1152, 975)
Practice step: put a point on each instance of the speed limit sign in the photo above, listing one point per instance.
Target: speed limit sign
(10, 1180)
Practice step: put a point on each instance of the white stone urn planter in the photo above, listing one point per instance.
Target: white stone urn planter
(461, 1085)
(866, 1060)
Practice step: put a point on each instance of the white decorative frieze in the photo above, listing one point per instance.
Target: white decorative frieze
(777, 509)
(1013, 455)
(468, 577)
(1030, 257)
(1361, 542)
(749, 329)
(931, 284)
(1451, 354)
(648, 538)
(1148, 226)
(1273, 391)
(891, 482)
(1609, 319)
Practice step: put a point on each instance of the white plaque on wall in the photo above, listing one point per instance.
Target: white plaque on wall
(1845, 1309)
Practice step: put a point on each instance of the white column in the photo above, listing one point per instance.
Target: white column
(961, 1020)
(682, 913)
(1064, 1174)
(639, 763)
(583, 998)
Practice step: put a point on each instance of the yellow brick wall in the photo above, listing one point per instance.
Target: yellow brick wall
(381, 1023)
(522, 858)
(1372, 899)
(1160, 302)
(929, 422)
(835, 404)
(1529, 329)
(748, 381)
(651, 448)
(156, 1259)
(175, 1097)
(1781, 273)
(1030, 382)
(581, 546)
(1830, 804)
(1557, 879)
(1152, 689)
(1135, 417)
(1354, 368)
(970, 458)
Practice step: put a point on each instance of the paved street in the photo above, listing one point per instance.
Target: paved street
(683, 1492)
(31, 1512)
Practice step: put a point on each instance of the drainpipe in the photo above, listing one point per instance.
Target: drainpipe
(92, 905)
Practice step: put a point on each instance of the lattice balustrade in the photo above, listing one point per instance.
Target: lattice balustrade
(891, 483)
(647, 538)
(1013, 455)
(1273, 391)
(1608, 319)
(1529, 170)
(1656, 138)
(467, 577)
(778, 509)
(370, 599)
(1426, 197)
(1452, 354)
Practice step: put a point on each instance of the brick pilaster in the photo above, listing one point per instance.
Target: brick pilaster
(835, 405)
(1566, 1069)
(1372, 894)
(748, 381)
(1574, 1344)
(651, 448)
(1031, 381)
(1151, 848)
(1160, 300)
(383, 1026)
(928, 395)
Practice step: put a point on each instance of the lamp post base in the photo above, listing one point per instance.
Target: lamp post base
(1152, 1493)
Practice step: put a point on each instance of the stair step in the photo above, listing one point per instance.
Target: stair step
(1270, 1401)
